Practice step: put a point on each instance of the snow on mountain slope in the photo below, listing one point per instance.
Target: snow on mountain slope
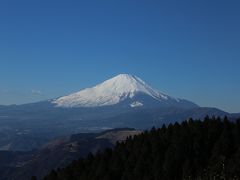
(113, 91)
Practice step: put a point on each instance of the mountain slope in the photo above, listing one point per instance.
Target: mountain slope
(191, 150)
(123, 89)
(58, 153)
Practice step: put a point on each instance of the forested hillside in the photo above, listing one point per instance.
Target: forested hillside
(194, 149)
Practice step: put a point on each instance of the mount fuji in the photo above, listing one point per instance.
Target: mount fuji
(125, 90)
(123, 101)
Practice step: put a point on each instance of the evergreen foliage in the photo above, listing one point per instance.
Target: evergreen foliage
(205, 150)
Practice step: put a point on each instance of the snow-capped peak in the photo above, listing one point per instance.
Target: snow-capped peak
(110, 92)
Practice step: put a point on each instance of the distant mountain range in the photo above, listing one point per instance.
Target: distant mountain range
(123, 101)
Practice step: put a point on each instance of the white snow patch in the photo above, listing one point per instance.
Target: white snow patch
(136, 104)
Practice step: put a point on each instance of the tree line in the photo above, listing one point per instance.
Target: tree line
(192, 150)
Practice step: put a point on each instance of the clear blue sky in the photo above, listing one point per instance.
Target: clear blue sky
(188, 49)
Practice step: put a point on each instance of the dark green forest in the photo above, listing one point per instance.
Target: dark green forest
(194, 149)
